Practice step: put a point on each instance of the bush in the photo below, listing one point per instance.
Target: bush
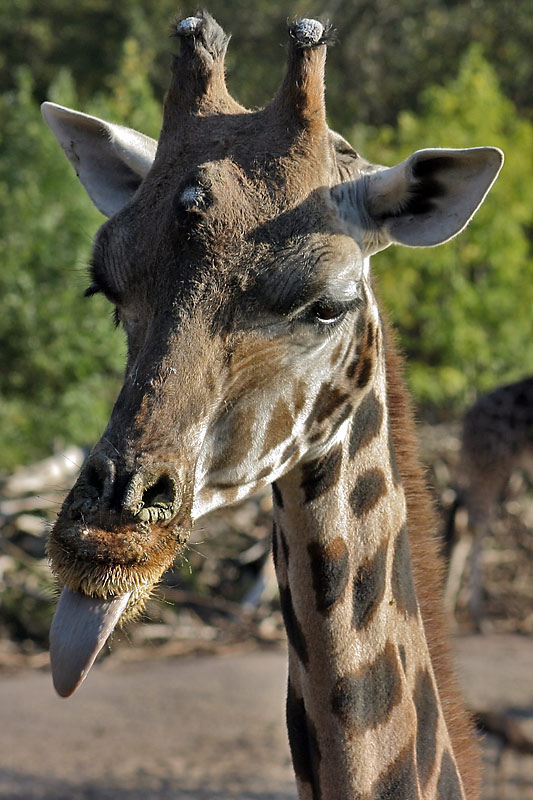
(465, 309)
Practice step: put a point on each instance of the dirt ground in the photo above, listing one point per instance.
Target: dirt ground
(149, 726)
(209, 727)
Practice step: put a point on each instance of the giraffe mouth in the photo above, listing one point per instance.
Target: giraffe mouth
(80, 628)
(107, 571)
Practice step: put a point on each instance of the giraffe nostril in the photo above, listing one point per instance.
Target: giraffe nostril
(94, 486)
(94, 478)
(159, 501)
(163, 492)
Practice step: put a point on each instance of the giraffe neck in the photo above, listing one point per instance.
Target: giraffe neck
(363, 709)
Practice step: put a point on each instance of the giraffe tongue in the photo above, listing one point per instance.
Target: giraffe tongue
(80, 628)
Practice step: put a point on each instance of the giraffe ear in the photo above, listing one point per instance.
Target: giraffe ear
(428, 198)
(110, 161)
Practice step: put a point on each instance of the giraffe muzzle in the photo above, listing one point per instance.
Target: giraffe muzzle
(115, 536)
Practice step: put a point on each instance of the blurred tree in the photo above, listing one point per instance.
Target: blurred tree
(386, 53)
(464, 310)
(62, 357)
(84, 37)
(389, 51)
(129, 99)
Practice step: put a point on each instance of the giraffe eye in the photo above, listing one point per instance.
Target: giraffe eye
(327, 312)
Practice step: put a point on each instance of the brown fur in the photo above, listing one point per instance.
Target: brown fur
(428, 569)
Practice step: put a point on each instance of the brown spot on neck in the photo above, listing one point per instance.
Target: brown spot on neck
(330, 569)
(369, 587)
(365, 699)
(366, 423)
(399, 780)
(368, 490)
(402, 585)
(322, 474)
(427, 716)
(303, 743)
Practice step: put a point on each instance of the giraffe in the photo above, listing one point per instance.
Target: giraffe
(236, 253)
(497, 438)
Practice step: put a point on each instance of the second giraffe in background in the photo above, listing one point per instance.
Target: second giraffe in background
(497, 438)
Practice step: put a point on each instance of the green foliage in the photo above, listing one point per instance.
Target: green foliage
(465, 309)
(56, 347)
(386, 52)
(64, 359)
(84, 37)
(130, 100)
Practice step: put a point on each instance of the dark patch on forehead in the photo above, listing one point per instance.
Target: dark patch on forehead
(303, 742)
(276, 494)
(367, 492)
(369, 587)
(398, 782)
(295, 634)
(328, 399)
(366, 699)
(366, 423)
(427, 717)
(322, 474)
(279, 428)
(330, 568)
(403, 587)
(449, 785)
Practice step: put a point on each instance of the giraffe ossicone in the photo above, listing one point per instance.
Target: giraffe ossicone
(189, 26)
(308, 31)
(257, 354)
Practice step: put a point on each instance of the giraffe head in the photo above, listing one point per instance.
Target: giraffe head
(236, 253)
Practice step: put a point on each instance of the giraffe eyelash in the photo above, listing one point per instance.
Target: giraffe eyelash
(327, 313)
(99, 282)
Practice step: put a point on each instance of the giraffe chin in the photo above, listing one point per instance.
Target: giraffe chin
(80, 628)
